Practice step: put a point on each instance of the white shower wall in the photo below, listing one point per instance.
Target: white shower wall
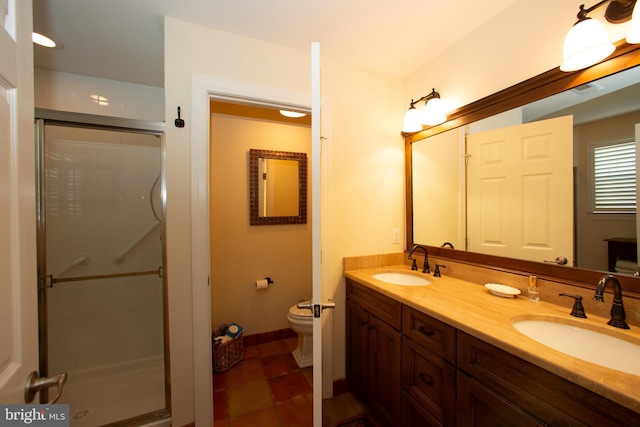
(97, 200)
(60, 91)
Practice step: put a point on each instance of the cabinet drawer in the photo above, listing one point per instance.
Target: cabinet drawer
(536, 391)
(431, 333)
(429, 380)
(385, 308)
(479, 406)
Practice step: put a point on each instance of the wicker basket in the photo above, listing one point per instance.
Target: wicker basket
(227, 354)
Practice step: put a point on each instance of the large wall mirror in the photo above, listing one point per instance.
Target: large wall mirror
(277, 187)
(602, 105)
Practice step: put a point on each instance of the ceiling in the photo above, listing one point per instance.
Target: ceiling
(123, 39)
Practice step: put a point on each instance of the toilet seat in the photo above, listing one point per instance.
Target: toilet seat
(300, 313)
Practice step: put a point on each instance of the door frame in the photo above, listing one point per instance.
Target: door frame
(203, 89)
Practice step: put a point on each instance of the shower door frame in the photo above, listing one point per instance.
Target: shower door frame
(79, 120)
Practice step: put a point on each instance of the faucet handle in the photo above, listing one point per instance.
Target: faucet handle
(414, 266)
(578, 309)
(436, 273)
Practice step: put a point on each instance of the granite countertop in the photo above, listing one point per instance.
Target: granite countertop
(471, 308)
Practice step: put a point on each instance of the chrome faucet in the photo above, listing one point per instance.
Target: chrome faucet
(617, 309)
(425, 266)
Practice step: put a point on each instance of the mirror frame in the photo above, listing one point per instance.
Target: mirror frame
(541, 86)
(254, 187)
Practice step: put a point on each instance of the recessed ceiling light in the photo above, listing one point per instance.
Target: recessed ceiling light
(42, 40)
(292, 114)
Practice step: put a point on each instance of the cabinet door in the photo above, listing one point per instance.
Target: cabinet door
(415, 415)
(357, 362)
(384, 370)
(429, 380)
(479, 406)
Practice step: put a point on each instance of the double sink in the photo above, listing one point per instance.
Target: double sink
(602, 346)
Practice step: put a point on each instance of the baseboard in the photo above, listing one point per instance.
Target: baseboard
(266, 337)
(341, 386)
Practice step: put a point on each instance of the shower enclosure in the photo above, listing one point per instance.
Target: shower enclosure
(100, 259)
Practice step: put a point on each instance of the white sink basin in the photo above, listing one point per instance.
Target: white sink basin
(403, 279)
(586, 344)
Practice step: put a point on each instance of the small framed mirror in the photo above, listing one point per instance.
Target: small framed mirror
(277, 187)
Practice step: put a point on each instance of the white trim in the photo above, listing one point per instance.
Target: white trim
(316, 264)
(202, 369)
(327, 273)
(203, 88)
(254, 94)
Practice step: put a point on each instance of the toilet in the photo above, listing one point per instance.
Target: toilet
(301, 322)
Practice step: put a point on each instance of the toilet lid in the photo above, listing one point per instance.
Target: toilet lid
(299, 312)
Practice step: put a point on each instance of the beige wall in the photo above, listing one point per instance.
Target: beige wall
(521, 42)
(367, 181)
(242, 253)
(367, 158)
(591, 247)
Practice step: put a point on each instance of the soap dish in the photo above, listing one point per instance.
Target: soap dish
(502, 291)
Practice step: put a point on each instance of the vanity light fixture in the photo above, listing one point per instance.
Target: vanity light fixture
(587, 42)
(433, 113)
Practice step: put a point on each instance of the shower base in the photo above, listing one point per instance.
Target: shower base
(115, 393)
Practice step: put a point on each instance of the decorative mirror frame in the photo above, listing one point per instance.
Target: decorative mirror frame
(546, 84)
(254, 187)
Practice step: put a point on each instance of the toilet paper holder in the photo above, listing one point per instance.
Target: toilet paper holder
(263, 283)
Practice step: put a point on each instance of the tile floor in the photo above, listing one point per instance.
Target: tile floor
(267, 388)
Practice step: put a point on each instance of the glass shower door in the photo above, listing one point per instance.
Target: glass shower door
(101, 262)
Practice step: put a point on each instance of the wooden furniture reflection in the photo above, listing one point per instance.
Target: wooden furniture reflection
(621, 248)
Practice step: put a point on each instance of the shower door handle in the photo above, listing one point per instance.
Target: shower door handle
(35, 384)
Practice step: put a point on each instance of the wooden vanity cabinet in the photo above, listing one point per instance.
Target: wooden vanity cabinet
(374, 350)
(520, 393)
(414, 370)
(428, 370)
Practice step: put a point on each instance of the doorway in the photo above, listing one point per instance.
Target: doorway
(205, 88)
(101, 256)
